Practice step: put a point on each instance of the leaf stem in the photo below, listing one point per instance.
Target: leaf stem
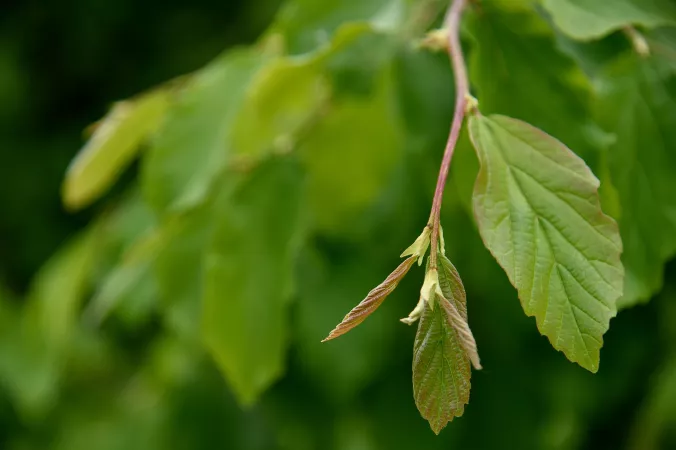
(452, 25)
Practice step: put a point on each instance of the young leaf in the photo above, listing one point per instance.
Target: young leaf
(441, 367)
(537, 207)
(373, 300)
(248, 276)
(113, 145)
(329, 287)
(456, 307)
(584, 19)
(638, 104)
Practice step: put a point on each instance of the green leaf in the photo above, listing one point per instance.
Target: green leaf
(638, 104)
(537, 207)
(367, 130)
(129, 285)
(441, 365)
(583, 19)
(308, 25)
(113, 145)
(518, 70)
(248, 276)
(34, 349)
(453, 291)
(350, 61)
(179, 269)
(284, 97)
(127, 243)
(373, 300)
(662, 43)
(193, 145)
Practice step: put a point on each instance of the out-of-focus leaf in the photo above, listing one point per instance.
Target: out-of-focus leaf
(441, 366)
(582, 19)
(373, 300)
(351, 63)
(638, 104)
(113, 145)
(537, 207)
(356, 129)
(33, 350)
(179, 269)
(127, 241)
(130, 285)
(658, 413)
(282, 99)
(308, 25)
(518, 71)
(59, 288)
(662, 42)
(248, 276)
(193, 144)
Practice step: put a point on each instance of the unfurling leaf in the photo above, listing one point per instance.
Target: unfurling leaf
(537, 207)
(420, 246)
(444, 346)
(373, 300)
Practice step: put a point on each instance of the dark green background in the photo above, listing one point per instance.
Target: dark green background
(61, 65)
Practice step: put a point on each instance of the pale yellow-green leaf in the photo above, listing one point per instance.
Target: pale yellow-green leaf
(113, 145)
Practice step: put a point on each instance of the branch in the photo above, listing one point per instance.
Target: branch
(452, 25)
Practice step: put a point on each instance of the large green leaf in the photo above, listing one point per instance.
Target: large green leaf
(537, 207)
(441, 363)
(248, 276)
(638, 104)
(193, 145)
(518, 70)
(114, 143)
(584, 19)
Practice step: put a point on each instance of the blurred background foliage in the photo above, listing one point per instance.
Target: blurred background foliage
(277, 184)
